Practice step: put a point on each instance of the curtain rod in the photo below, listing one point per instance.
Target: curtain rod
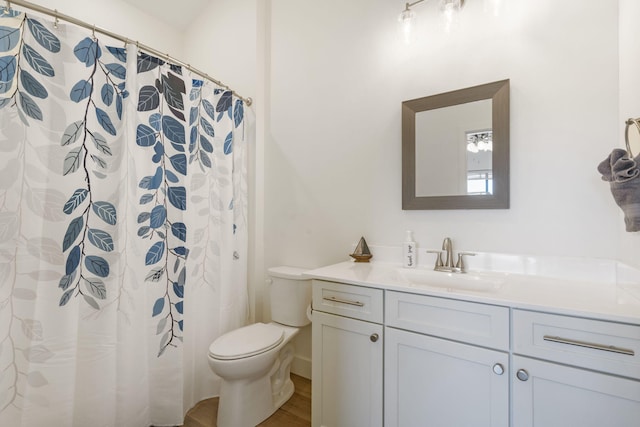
(166, 57)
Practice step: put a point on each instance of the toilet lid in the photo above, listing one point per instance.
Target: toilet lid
(246, 341)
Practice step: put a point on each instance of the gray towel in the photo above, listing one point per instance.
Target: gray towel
(623, 175)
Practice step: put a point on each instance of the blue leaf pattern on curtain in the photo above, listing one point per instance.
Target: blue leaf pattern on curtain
(92, 219)
(166, 196)
(78, 259)
(162, 132)
(17, 52)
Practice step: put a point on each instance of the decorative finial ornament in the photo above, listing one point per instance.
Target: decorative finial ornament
(362, 252)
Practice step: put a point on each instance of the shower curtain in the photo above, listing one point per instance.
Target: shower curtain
(123, 240)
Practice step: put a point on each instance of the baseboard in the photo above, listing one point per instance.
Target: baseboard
(301, 366)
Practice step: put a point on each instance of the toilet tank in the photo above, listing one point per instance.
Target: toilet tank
(290, 295)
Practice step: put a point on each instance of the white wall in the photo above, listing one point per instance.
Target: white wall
(629, 247)
(222, 42)
(339, 74)
(121, 18)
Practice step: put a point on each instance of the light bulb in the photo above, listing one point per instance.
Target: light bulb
(448, 9)
(406, 20)
(493, 7)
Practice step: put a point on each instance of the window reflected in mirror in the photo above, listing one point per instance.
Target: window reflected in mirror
(478, 169)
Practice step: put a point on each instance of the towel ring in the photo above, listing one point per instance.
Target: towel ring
(629, 123)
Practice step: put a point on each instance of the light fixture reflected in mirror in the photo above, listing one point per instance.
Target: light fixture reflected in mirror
(479, 141)
(407, 18)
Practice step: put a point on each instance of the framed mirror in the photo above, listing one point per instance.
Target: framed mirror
(455, 149)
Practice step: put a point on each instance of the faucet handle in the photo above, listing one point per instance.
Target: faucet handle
(438, 258)
(460, 262)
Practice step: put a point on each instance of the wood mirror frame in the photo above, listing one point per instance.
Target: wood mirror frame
(498, 92)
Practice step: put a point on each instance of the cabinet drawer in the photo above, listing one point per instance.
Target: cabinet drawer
(595, 344)
(473, 323)
(353, 301)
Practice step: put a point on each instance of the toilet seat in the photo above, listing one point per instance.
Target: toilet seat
(246, 342)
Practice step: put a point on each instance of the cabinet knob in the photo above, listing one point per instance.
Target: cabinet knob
(498, 369)
(374, 337)
(522, 375)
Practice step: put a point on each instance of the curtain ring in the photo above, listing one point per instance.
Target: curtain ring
(7, 8)
(94, 31)
(629, 123)
(57, 20)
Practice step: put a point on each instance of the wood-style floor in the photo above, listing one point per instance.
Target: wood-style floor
(296, 412)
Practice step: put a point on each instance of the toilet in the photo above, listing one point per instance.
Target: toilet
(254, 361)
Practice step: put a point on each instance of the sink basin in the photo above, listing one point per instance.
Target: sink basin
(471, 281)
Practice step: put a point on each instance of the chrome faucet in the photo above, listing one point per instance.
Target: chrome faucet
(447, 247)
(447, 265)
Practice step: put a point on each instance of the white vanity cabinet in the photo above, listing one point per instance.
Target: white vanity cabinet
(403, 356)
(589, 375)
(431, 380)
(347, 355)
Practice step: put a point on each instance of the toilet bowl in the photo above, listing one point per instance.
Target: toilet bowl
(254, 361)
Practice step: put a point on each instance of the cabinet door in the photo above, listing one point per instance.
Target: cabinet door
(549, 395)
(432, 382)
(346, 372)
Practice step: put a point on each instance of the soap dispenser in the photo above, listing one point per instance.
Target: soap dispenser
(409, 253)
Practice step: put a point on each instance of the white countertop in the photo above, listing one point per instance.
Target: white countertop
(597, 289)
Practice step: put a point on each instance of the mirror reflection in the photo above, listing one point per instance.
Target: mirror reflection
(455, 149)
(461, 134)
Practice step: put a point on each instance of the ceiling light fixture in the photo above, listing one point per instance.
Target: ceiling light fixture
(407, 17)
